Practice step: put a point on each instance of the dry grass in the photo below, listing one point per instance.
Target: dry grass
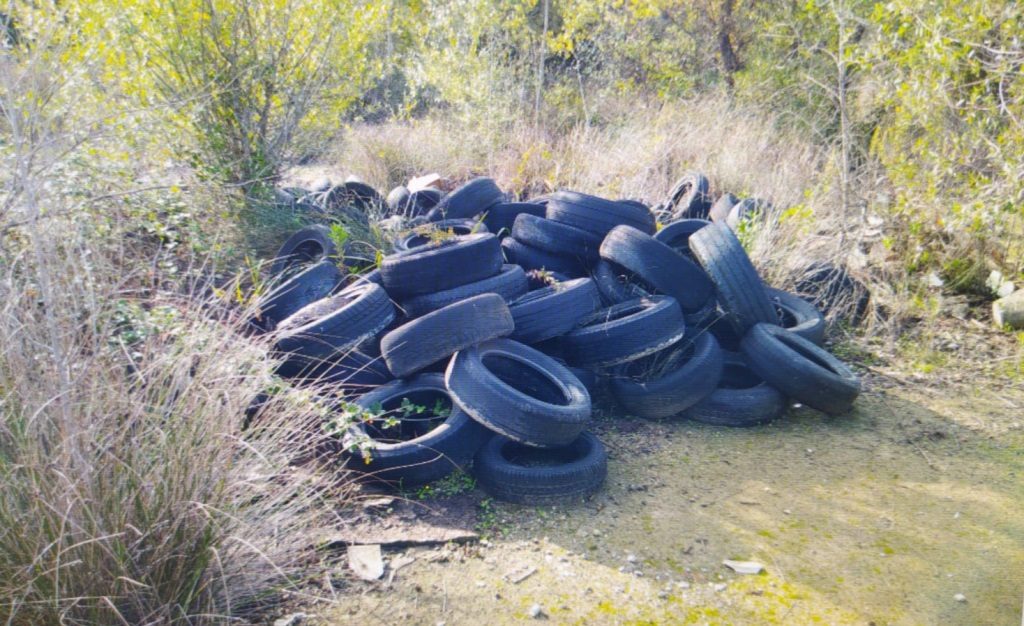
(637, 151)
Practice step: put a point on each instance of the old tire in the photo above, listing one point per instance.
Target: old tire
(557, 238)
(519, 392)
(472, 198)
(512, 472)
(437, 335)
(421, 235)
(798, 315)
(510, 283)
(304, 288)
(331, 326)
(625, 332)
(740, 292)
(720, 209)
(597, 215)
(307, 245)
(658, 265)
(689, 197)
(502, 216)
(437, 267)
(531, 258)
(422, 447)
(553, 311)
(800, 369)
(741, 399)
(687, 373)
(677, 235)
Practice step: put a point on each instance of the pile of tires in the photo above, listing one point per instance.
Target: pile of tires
(482, 338)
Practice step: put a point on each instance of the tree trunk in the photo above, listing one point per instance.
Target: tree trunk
(727, 53)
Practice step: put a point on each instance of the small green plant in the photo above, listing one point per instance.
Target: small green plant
(488, 523)
(454, 484)
(339, 236)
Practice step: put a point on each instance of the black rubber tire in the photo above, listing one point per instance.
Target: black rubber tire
(562, 474)
(741, 399)
(510, 283)
(304, 288)
(531, 258)
(677, 235)
(310, 244)
(658, 265)
(398, 200)
(689, 197)
(437, 267)
(421, 202)
(798, 315)
(354, 373)
(616, 284)
(435, 336)
(625, 332)
(519, 392)
(702, 316)
(720, 209)
(353, 194)
(800, 369)
(692, 371)
(472, 198)
(329, 327)
(740, 292)
(502, 216)
(557, 238)
(834, 291)
(420, 236)
(597, 215)
(746, 210)
(553, 311)
(427, 456)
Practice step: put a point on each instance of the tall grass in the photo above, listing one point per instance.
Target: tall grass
(634, 148)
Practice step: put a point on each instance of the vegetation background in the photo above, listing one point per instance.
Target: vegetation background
(141, 142)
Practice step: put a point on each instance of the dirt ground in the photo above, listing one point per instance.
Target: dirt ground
(884, 516)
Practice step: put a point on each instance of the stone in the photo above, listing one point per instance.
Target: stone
(537, 612)
(1009, 311)
(960, 597)
(366, 561)
(744, 567)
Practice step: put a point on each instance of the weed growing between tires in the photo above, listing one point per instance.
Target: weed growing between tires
(483, 338)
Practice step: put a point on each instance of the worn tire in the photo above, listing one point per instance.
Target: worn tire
(519, 392)
(658, 265)
(437, 335)
(331, 326)
(515, 473)
(597, 215)
(692, 371)
(510, 283)
(553, 311)
(310, 244)
(557, 238)
(741, 399)
(617, 284)
(501, 217)
(472, 198)
(531, 258)
(454, 262)
(625, 332)
(720, 209)
(354, 373)
(304, 288)
(798, 315)
(689, 197)
(748, 209)
(800, 369)
(740, 292)
(677, 235)
(428, 449)
(421, 235)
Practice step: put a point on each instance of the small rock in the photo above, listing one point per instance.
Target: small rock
(292, 620)
(366, 561)
(631, 558)
(744, 567)
(960, 597)
(683, 584)
(537, 612)
(597, 533)
(721, 587)
(786, 511)
(517, 576)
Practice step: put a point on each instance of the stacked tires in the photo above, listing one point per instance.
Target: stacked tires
(482, 339)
